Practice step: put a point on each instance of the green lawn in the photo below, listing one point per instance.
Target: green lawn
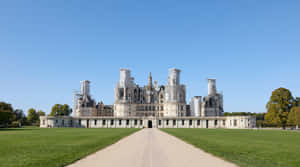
(247, 148)
(35, 147)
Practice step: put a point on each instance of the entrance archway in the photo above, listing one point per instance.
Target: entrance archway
(149, 124)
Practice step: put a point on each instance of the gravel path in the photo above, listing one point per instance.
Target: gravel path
(151, 148)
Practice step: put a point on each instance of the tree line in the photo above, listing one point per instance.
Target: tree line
(17, 118)
(282, 110)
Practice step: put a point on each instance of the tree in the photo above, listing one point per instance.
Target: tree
(278, 107)
(6, 113)
(61, 110)
(19, 116)
(294, 116)
(297, 101)
(41, 113)
(32, 117)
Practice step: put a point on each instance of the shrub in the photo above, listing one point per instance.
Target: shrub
(15, 124)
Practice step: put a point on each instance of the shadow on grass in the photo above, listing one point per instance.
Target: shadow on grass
(17, 129)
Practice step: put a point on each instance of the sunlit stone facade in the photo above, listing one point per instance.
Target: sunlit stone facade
(150, 100)
(152, 105)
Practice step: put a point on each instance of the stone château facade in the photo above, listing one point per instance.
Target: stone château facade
(150, 100)
(152, 105)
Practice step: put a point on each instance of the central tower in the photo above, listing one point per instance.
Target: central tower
(175, 95)
(150, 100)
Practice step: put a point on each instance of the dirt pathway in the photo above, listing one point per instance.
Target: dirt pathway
(151, 148)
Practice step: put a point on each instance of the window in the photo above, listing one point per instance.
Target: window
(111, 122)
(198, 122)
(127, 122)
(191, 122)
(56, 121)
(181, 108)
(182, 122)
(120, 122)
(103, 122)
(216, 122)
(43, 122)
(95, 122)
(235, 122)
(141, 122)
(63, 122)
(71, 122)
(174, 122)
(159, 122)
(79, 122)
(135, 122)
(167, 122)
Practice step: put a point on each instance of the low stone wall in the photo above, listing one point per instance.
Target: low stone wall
(234, 122)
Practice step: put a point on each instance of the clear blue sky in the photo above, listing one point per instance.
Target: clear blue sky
(47, 47)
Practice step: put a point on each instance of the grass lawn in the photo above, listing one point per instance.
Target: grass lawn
(247, 148)
(35, 147)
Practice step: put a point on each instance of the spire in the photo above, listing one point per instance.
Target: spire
(150, 80)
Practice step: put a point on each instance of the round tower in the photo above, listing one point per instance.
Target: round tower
(174, 77)
(212, 90)
(196, 106)
(85, 88)
(125, 78)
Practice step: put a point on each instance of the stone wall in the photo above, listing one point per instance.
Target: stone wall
(232, 122)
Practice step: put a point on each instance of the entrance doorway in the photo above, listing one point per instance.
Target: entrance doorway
(88, 123)
(149, 124)
(206, 123)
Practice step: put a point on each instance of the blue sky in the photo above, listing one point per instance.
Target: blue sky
(47, 47)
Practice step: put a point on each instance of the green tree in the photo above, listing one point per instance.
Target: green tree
(32, 117)
(278, 107)
(19, 116)
(6, 114)
(41, 113)
(297, 101)
(294, 116)
(61, 110)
